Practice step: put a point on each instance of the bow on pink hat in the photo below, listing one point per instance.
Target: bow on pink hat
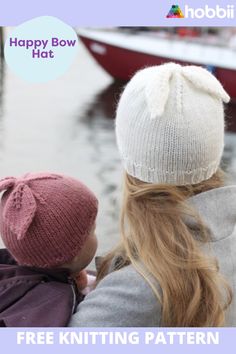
(21, 205)
(45, 218)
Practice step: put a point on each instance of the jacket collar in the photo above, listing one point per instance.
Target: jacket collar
(8, 263)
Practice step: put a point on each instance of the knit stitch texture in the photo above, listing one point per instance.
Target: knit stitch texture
(45, 218)
(170, 124)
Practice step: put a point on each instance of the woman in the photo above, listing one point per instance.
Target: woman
(175, 265)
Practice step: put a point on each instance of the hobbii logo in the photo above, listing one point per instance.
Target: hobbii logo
(210, 12)
(201, 12)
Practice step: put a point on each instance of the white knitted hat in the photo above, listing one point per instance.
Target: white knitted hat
(170, 124)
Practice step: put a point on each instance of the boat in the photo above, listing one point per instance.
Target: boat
(121, 53)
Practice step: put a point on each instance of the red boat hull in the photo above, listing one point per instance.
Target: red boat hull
(122, 63)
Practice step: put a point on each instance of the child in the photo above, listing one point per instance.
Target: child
(47, 223)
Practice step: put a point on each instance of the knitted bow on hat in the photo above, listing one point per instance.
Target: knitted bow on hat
(158, 89)
(20, 207)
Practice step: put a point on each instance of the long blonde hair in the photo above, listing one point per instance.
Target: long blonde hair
(164, 248)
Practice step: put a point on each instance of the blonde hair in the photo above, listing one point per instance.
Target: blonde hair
(165, 249)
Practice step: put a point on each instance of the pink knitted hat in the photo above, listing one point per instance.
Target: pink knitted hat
(45, 218)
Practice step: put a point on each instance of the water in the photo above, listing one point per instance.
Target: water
(67, 126)
(62, 126)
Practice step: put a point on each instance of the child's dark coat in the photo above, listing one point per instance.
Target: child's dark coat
(34, 297)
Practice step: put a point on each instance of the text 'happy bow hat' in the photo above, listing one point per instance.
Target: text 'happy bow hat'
(45, 218)
(170, 124)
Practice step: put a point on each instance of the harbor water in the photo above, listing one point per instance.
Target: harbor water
(67, 126)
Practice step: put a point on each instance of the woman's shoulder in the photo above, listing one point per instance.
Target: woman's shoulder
(122, 299)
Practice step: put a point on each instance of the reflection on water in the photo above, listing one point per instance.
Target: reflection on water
(98, 117)
(104, 103)
(67, 126)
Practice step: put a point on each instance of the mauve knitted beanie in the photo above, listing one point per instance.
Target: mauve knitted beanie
(45, 218)
(170, 124)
